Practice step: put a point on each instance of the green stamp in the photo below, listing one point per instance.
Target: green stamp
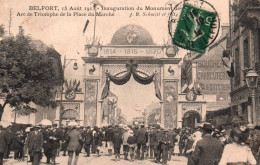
(195, 29)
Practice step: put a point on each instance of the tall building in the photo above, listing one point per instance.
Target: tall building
(205, 83)
(245, 49)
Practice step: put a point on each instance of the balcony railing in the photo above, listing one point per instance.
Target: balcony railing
(247, 11)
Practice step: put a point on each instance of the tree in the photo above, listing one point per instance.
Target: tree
(27, 74)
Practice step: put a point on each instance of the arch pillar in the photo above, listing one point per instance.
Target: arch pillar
(197, 106)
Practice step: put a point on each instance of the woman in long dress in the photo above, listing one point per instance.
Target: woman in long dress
(237, 153)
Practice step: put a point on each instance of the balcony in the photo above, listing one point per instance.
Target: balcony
(248, 12)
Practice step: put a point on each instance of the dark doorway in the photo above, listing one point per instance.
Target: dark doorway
(190, 119)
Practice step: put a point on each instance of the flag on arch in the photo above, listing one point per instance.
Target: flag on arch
(96, 3)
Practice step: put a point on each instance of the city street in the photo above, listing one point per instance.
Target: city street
(106, 78)
(103, 160)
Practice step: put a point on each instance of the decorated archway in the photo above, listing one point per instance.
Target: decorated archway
(124, 76)
(69, 115)
(191, 118)
(131, 53)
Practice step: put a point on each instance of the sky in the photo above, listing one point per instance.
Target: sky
(65, 34)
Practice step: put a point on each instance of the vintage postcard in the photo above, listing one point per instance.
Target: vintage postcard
(84, 76)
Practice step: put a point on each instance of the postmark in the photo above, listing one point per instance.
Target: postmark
(197, 26)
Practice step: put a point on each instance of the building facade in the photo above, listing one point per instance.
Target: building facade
(245, 51)
(205, 77)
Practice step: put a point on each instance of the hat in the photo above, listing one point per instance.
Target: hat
(158, 126)
(241, 135)
(216, 130)
(18, 132)
(207, 127)
(37, 126)
(165, 130)
(250, 126)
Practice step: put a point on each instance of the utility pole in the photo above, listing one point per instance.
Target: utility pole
(10, 21)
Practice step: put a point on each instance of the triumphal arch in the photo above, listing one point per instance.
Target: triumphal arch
(131, 53)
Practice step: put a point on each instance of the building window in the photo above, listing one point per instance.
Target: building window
(258, 32)
(235, 110)
(237, 67)
(257, 62)
(44, 116)
(246, 54)
(244, 108)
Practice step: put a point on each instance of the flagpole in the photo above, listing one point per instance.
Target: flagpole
(95, 7)
(230, 40)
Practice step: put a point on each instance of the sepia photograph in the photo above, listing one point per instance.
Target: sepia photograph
(129, 82)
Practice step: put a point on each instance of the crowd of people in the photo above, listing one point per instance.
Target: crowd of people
(204, 145)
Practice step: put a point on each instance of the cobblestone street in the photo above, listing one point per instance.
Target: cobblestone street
(102, 160)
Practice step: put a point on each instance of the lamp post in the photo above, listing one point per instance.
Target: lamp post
(65, 64)
(252, 81)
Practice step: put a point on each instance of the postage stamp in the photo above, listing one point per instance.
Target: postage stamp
(196, 29)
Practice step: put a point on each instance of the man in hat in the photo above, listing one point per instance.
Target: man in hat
(135, 130)
(152, 137)
(109, 134)
(142, 139)
(208, 150)
(81, 130)
(88, 140)
(18, 145)
(47, 144)
(158, 149)
(97, 142)
(117, 141)
(131, 141)
(125, 144)
(164, 146)
(35, 144)
(172, 140)
(74, 139)
(3, 144)
(54, 138)
(9, 135)
(64, 144)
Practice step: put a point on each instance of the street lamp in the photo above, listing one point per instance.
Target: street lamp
(252, 81)
(65, 64)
